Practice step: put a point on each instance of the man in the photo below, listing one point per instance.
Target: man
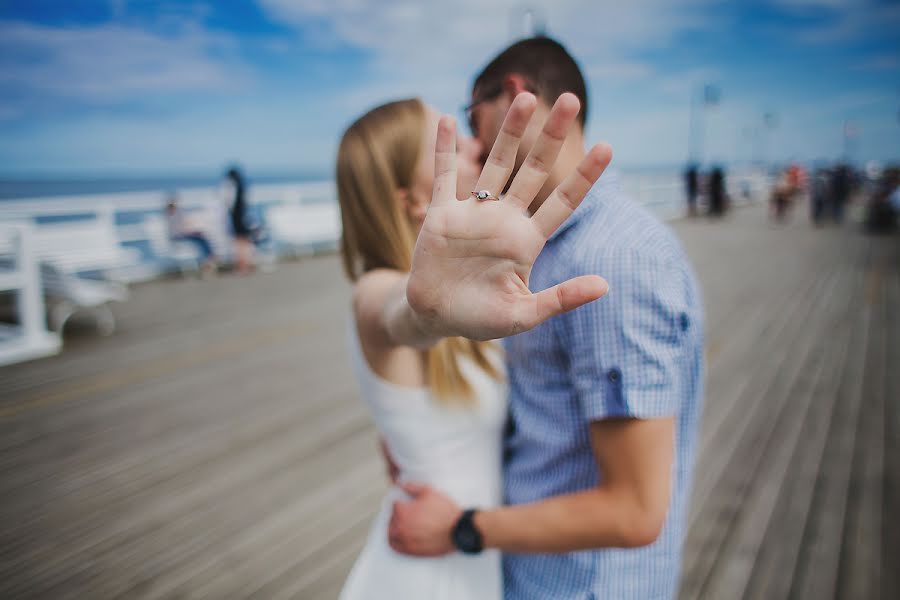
(692, 186)
(604, 399)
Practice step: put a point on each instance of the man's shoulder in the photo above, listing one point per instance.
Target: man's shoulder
(615, 228)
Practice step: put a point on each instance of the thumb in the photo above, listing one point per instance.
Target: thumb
(567, 296)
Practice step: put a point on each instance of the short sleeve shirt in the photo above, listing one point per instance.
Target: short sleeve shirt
(635, 353)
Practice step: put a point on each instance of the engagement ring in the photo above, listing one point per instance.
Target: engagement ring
(484, 195)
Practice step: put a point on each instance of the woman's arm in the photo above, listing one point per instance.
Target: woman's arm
(383, 314)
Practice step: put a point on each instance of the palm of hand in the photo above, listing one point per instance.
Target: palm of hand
(473, 258)
(472, 263)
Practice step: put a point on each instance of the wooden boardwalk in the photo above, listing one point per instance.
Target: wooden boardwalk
(214, 446)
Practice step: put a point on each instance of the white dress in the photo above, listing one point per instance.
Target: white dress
(454, 449)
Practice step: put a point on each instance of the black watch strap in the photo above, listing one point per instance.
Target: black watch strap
(465, 535)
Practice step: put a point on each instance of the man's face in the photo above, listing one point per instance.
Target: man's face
(485, 120)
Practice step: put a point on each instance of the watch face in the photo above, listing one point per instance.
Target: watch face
(467, 538)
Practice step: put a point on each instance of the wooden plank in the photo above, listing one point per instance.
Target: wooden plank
(890, 551)
(817, 566)
(773, 569)
(745, 476)
(159, 518)
(719, 432)
(275, 542)
(860, 568)
(761, 356)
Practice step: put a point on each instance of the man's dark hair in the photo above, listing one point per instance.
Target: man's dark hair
(544, 64)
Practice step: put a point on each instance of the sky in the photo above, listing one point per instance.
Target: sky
(171, 87)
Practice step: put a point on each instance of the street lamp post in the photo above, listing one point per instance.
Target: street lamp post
(527, 21)
(770, 122)
(701, 98)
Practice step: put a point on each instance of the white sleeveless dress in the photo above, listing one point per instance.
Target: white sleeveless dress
(457, 450)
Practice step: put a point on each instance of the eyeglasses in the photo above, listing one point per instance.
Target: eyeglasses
(486, 96)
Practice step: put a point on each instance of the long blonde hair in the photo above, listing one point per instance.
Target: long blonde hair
(378, 156)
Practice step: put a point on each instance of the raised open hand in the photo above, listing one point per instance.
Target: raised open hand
(473, 257)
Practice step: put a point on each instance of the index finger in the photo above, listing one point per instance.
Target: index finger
(444, 188)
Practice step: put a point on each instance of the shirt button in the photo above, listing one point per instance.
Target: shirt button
(685, 322)
(614, 375)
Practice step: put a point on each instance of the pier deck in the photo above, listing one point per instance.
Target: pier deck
(214, 446)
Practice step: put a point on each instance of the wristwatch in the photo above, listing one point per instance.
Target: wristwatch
(465, 535)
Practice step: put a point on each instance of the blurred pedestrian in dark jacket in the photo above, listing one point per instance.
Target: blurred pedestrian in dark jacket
(692, 188)
(718, 196)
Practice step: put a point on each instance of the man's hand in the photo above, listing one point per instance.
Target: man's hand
(473, 258)
(422, 526)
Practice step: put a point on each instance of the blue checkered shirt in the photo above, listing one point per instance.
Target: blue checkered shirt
(637, 352)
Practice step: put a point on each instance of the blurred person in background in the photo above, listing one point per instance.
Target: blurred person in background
(604, 400)
(841, 184)
(180, 230)
(718, 195)
(894, 198)
(819, 195)
(235, 198)
(784, 192)
(692, 188)
(884, 203)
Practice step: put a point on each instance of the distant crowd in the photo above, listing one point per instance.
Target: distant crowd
(829, 189)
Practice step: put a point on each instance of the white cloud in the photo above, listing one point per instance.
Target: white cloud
(436, 45)
(111, 63)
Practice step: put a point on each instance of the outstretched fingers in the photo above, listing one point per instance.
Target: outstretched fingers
(566, 198)
(536, 168)
(444, 188)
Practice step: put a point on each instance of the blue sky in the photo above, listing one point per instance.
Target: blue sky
(121, 87)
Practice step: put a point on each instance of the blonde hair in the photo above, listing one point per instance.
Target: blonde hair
(377, 156)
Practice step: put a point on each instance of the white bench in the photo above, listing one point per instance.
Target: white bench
(82, 246)
(68, 293)
(28, 338)
(298, 226)
(69, 250)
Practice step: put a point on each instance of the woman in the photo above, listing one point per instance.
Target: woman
(440, 410)
(235, 198)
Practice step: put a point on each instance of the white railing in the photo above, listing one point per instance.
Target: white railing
(28, 338)
(135, 216)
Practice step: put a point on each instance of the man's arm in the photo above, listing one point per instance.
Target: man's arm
(627, 509)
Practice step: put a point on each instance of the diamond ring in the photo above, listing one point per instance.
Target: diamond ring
(484, 195)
